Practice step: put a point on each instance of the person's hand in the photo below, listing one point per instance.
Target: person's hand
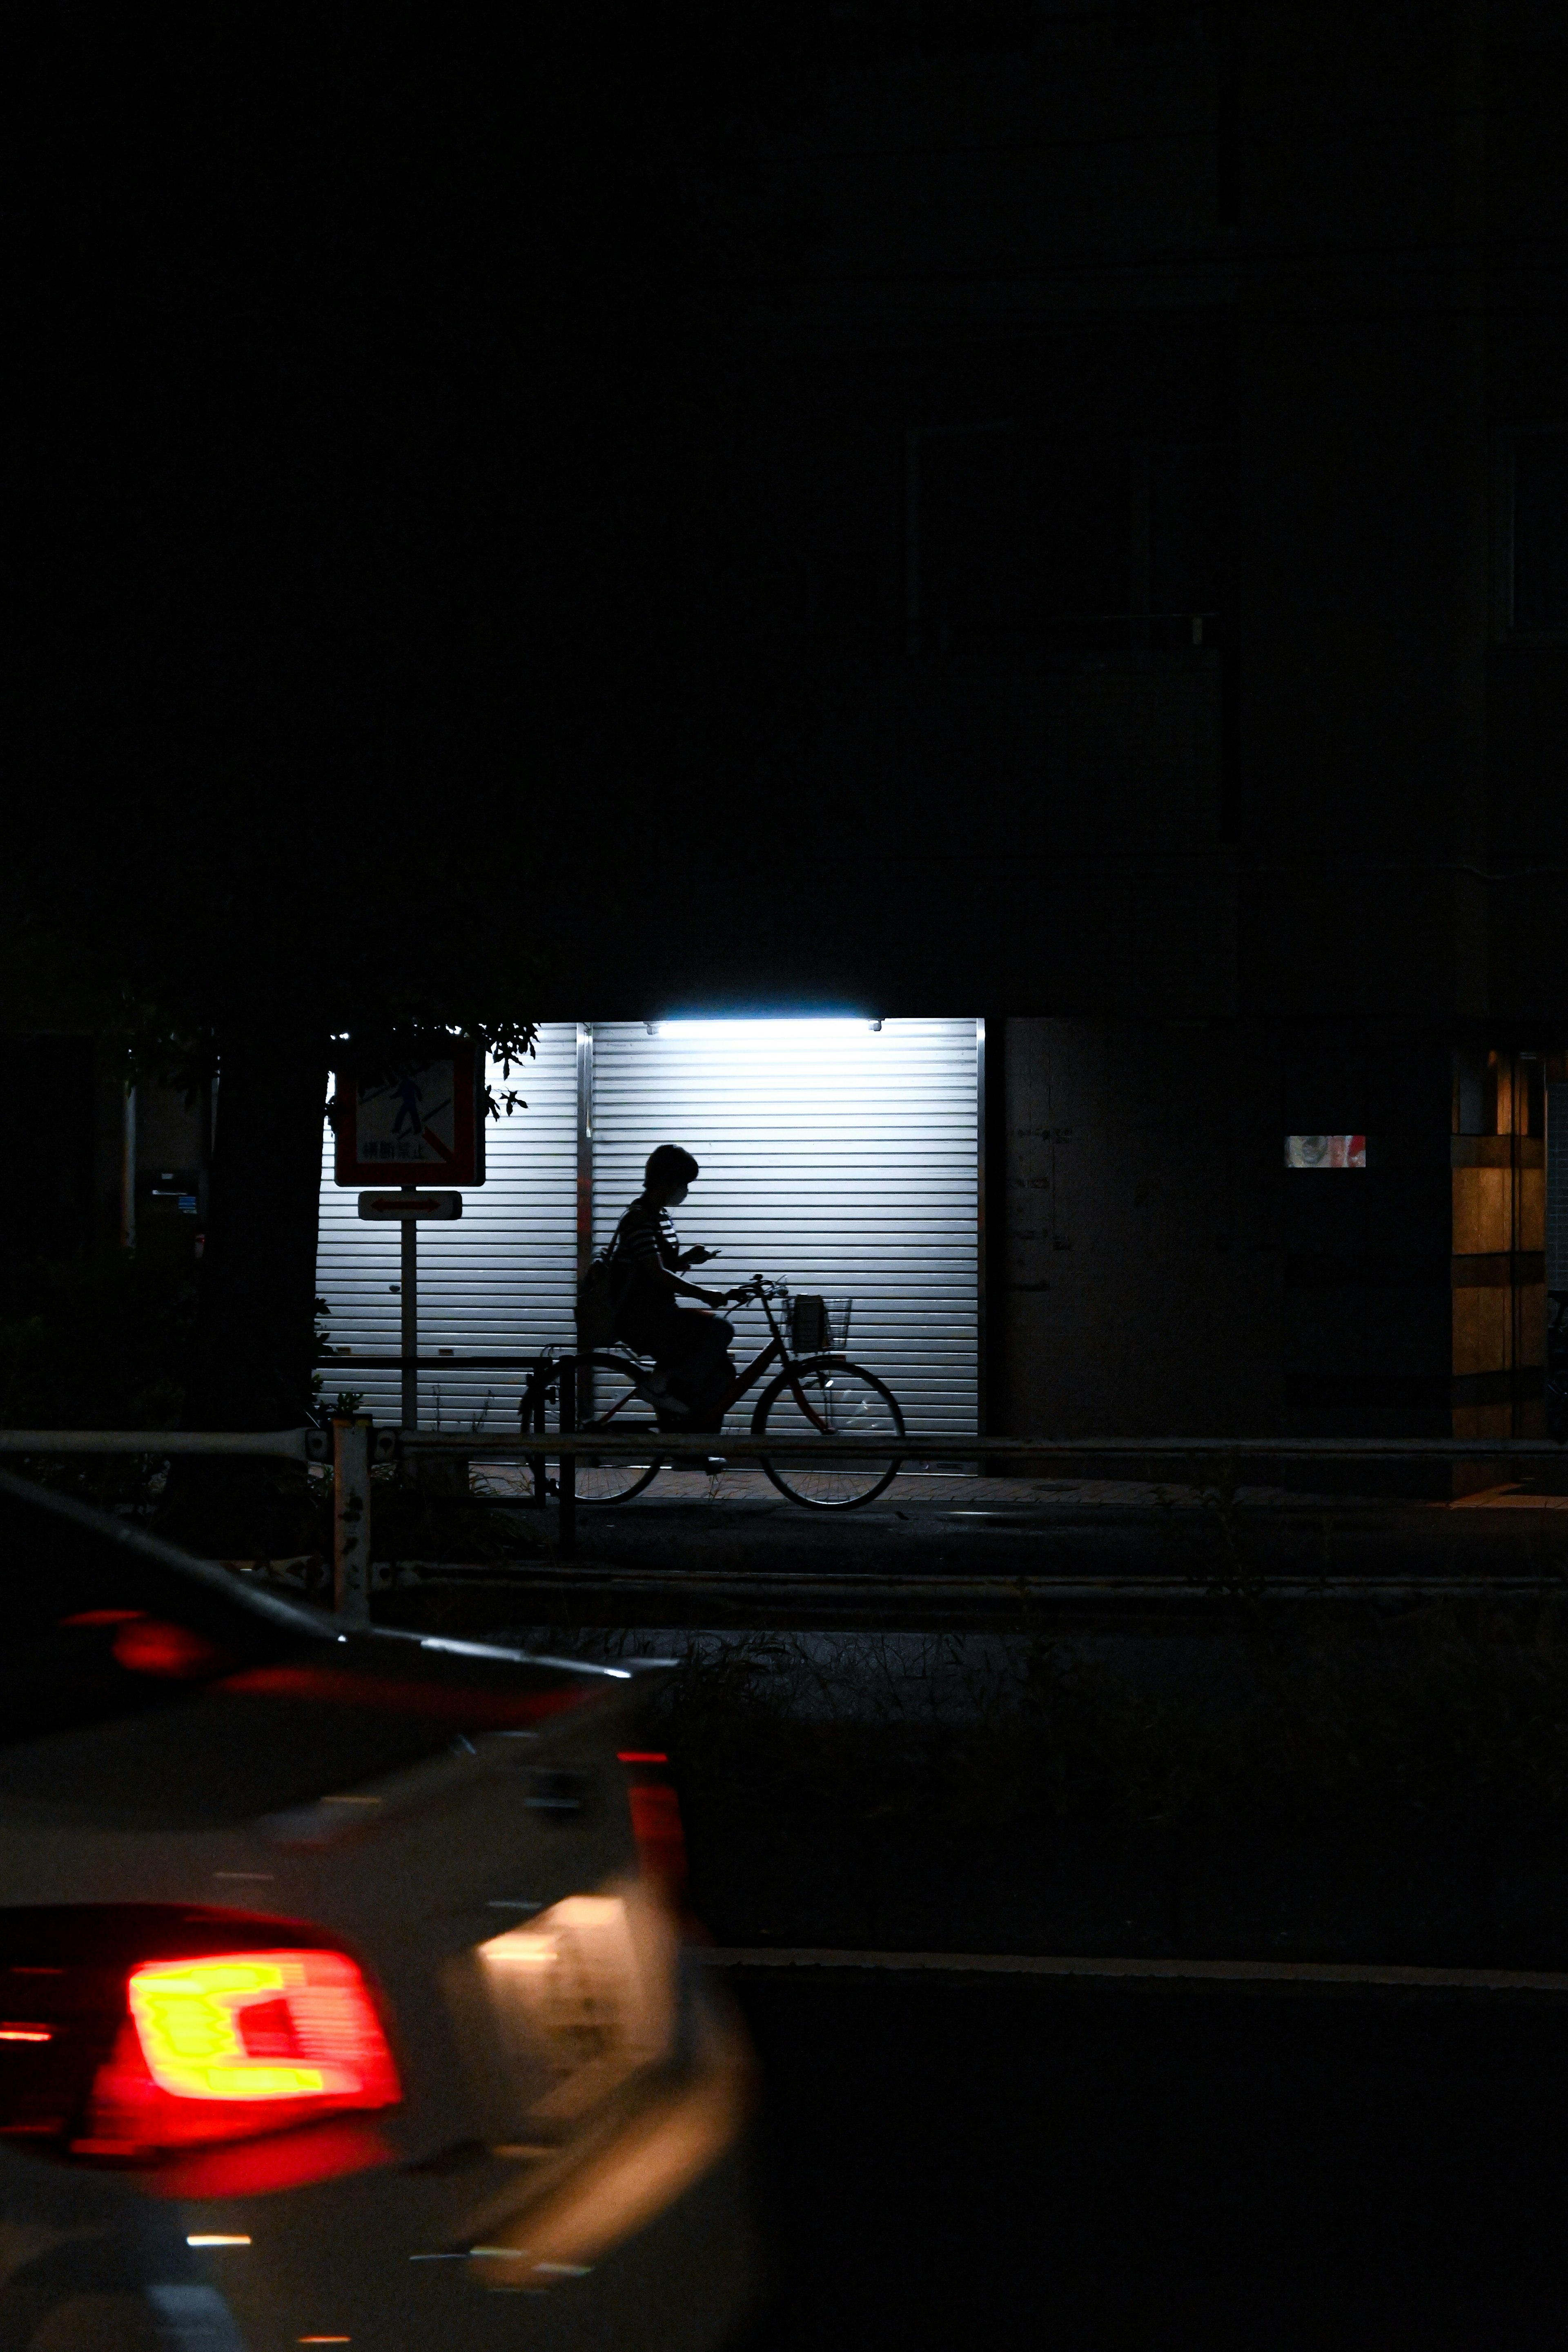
(698, 1255)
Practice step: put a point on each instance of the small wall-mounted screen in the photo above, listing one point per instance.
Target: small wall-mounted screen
(1325, 1151)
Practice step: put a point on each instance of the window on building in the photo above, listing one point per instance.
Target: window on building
(1537, 581)
(1008, 532)
(1019, 540)
(1186, 533)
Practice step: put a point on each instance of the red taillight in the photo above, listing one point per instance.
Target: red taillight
(229, 2043)
(656, 1819)
(147, 1645)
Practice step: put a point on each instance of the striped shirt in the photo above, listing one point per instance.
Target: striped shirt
(645, 1238)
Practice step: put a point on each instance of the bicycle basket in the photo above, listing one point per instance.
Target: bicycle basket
(819, 1327)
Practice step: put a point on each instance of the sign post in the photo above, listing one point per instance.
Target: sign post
(423, 1122)
(350, 1517)
(408, 1206)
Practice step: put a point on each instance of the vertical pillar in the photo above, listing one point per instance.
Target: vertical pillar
(351, 1518)
(538, 1463)
(128, 1172)
(1557, 1238)
(566, 1534)
(992, 1257)
(409, 1229)
(982, 1399)
(584, 1186)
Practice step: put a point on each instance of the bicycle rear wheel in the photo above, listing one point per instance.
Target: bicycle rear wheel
(823, 1398)
(607, 1400)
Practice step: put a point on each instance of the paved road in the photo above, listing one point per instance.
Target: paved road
(974, 2163)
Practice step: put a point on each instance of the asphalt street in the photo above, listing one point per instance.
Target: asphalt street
(967, 2161)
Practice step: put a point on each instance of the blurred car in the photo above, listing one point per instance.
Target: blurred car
(345, 1996)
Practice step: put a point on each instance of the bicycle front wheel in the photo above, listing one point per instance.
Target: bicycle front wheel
(821, 1399)
(607, 1401)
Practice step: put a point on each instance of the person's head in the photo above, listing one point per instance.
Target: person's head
(668, 1173)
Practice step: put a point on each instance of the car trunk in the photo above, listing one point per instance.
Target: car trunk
(204, 1773)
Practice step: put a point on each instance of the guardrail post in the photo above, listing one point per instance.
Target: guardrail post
(350, 1517)
(538, 1467)
(566, 1531)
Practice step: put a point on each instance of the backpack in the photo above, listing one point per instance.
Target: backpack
(601, 1293)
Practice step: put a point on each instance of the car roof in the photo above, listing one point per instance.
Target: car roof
(282, 1612)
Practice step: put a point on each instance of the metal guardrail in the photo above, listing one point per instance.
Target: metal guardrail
(353, 1443)
(291, 1445)
(350, 1445)
(316, 1445)
(913, 1447)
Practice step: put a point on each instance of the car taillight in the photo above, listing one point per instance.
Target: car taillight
(655, 1818)
(144, 2032)
(235, 2042)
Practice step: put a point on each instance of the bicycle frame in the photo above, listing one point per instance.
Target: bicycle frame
(777, 1352)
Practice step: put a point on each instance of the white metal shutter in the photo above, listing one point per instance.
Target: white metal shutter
(501, 1281)
(835, 1157)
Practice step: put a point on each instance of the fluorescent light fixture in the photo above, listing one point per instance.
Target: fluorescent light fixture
(779, 1026)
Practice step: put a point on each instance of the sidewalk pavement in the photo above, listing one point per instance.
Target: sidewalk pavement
(742, 1483)
(938, 1548)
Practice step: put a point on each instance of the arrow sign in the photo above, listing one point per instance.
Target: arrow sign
(410, 1204)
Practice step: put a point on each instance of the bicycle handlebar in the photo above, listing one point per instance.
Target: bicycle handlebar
(758, 1288)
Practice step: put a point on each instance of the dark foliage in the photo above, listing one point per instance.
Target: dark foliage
(95, 1342)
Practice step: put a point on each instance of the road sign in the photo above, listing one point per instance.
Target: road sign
(411, 1204)
(423, 1125)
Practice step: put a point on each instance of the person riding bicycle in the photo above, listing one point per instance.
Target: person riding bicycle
(690, 1352)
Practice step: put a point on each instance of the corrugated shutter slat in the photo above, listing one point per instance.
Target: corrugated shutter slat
(503, 1280)
(835, 1157)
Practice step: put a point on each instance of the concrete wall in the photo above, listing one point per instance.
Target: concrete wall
(1143, 1293)
(1159, 1270)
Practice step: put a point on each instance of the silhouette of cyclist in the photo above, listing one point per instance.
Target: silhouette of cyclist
(691, 1351)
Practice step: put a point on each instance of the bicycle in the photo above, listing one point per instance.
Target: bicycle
(818, 1393)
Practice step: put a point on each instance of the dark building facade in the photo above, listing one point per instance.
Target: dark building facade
(1166, 452)
(1175, 478)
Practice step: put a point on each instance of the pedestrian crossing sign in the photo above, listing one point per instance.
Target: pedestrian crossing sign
(412, 1126)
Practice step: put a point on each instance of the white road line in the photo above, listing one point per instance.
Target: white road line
(1024, 1964)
